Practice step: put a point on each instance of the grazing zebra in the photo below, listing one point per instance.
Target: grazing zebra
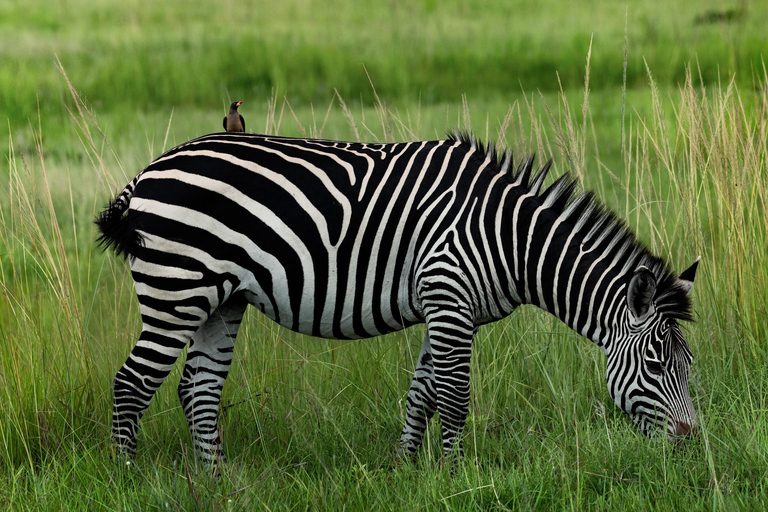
(352, 240)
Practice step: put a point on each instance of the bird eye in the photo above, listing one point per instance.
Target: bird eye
(654, 367)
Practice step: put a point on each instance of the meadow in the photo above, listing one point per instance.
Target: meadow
(660, 107)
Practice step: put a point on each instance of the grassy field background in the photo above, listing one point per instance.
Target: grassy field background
(681, 152)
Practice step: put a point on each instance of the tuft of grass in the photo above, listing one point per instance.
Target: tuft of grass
(311, 423)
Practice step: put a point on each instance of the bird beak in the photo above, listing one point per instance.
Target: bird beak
(239, 103)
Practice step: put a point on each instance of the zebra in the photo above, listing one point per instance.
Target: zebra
(351, 240)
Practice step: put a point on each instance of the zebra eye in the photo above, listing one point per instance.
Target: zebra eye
(654, 367)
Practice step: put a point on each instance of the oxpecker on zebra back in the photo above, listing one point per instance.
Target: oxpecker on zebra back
(353, 240)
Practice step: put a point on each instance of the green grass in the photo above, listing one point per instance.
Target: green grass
(138, 56)
(313, 424)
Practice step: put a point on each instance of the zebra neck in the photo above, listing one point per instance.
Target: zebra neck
(570, 269)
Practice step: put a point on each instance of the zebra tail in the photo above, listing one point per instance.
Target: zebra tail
(117, 231)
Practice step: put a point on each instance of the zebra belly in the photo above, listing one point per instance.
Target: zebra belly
(327, 328)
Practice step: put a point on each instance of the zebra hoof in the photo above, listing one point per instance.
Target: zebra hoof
(407, 453)
(123, 454)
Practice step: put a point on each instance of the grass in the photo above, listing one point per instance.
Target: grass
(313, 424)
(144, 56)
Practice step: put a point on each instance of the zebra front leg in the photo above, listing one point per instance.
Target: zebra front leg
(421, 402)
(208, 362)
(451, 332)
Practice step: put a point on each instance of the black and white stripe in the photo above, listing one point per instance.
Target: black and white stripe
(352, 240)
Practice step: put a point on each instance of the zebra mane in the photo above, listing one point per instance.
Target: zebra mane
(581, 209)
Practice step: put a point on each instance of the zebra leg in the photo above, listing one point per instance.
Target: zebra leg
(206, 369)
(144, 371)
(421, 402)
(451, 334)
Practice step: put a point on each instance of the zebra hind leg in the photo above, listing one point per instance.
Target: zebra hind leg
(208, 361)
(144, 371)
(421, 402)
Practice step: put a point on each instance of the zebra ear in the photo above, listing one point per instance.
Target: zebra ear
(642, 288)
(685, 281)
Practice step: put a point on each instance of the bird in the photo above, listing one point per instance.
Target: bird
(234, 122)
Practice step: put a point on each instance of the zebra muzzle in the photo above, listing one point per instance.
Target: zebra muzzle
(684, 430)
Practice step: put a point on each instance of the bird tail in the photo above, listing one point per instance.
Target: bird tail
(117, 230)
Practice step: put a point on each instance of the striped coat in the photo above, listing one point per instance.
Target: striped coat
(352, 240)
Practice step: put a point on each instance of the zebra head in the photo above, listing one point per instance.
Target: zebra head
(648, 366)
